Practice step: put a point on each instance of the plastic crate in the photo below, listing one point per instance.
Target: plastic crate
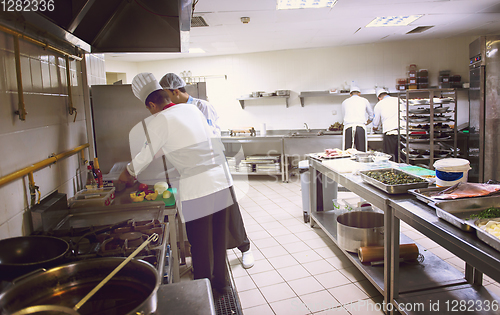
(92, 198)
(352, 205)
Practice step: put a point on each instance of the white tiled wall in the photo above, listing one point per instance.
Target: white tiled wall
(48, 127)
(307, 70)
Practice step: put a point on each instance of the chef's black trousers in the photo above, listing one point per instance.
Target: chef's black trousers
(207, 237)
(390, 146)
(237, 236)
(359, 139)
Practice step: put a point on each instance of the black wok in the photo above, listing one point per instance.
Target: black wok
(20, 255)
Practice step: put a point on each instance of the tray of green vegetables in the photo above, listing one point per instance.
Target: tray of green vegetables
(393, 180)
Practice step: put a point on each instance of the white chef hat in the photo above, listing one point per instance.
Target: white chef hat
(172, 81)
(144, 84)
(379, 91)
(355, 89)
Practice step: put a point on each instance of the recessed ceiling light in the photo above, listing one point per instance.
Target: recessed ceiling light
(196, 51)
(393, 20)
(304, 4)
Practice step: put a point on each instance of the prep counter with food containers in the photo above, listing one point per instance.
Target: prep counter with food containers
(461, 217)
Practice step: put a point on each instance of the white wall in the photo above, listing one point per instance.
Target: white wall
(307, 70)
(48, 127)
(129, 68)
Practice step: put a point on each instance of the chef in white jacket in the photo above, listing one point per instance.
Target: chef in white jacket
(386, 114)
(206, 193)
(175, 88)
(357, 114)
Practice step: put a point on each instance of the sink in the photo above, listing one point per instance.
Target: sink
(303, 133)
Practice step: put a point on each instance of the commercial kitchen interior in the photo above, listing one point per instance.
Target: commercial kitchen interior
(294, 263)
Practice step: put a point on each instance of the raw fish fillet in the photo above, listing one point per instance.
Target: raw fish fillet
(466, 190)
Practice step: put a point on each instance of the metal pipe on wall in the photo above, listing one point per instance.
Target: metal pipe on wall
(39, 43)
(21, 108)
(39, 165)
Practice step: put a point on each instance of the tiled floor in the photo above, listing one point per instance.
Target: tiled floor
(298, 269)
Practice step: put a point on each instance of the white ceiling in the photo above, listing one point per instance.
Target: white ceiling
(342, 25)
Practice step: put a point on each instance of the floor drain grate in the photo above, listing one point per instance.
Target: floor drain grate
(227, 305)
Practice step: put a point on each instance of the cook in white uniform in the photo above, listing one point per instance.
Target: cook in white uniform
(386, 113)
(206, 193)
(357, 114)
(175, 88)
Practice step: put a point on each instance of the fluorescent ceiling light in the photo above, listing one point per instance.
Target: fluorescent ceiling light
(393, 20)
(304, 4)
(196, 51)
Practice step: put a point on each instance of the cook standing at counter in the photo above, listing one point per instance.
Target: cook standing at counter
(206, 193)
(386, 113)
(175, 88)
(357, 114)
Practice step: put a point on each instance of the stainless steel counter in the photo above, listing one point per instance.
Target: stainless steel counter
(409, 283)
(295, 147)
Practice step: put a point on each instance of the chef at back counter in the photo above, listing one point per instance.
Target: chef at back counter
(357, 114)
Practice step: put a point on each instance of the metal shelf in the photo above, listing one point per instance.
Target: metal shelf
(430, 273)
(405, 141)
(243, 99)
(303, 95)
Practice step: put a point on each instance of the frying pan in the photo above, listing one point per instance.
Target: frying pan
(20, 255)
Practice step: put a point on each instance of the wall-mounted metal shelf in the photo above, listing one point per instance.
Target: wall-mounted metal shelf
(243, 99)
(303, 95)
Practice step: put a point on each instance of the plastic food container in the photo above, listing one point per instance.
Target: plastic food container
(92, 198)
(451, 171)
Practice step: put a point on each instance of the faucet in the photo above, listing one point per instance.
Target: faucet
(307, 127)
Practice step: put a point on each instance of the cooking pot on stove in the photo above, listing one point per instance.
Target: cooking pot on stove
(20, 255)
(131, 291)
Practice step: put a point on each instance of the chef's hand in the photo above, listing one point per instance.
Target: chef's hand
(126, 178)
(368, 121)
(375, 128)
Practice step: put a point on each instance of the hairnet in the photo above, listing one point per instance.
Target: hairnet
(172, 81)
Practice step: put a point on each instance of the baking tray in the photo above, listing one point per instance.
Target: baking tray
(393, 189)
(458, 211)
(486, 237)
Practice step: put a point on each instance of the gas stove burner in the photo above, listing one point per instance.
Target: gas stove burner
(132, 239)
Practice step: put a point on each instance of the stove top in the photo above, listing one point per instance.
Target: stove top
(113, 231)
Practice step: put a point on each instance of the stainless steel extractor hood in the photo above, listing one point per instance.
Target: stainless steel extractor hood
(130, 26)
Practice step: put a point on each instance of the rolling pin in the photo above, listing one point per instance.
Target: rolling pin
(375, 253)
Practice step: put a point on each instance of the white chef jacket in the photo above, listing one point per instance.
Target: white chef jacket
(182, 133)
(209, 111)
(357, 110)
(386, 112)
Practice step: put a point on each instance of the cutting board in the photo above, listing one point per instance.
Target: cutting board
(169, 202)
(417, 170)
(343, 165)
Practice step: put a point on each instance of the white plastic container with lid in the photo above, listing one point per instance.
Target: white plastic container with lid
(451, 171)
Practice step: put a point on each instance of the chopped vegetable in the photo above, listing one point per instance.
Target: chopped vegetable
(166, 194)
(487, 214)
(152, 196)
(137, 197)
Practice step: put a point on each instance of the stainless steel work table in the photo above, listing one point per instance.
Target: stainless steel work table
(419, 279)
(477, 255)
